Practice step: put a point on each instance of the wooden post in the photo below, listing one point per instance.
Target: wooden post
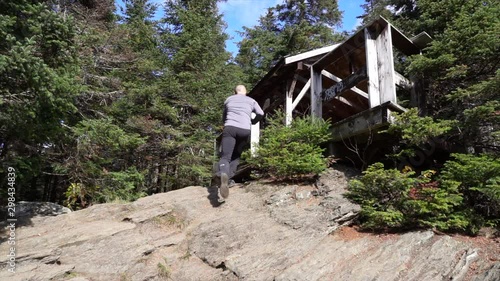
(316, 89)
(380, 66)
(343, 85)
(372, 68)
(254, 137)
(290, 88)
(301, 94)
(387, 84)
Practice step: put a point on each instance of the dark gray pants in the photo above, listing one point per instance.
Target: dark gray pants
(233, 142)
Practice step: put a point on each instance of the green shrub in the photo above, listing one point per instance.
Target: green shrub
(124, 186)
(415, 131)
(479, 178)
(287, 152)
(101, 169)
(391, 199)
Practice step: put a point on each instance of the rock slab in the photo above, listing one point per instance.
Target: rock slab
(263, 231)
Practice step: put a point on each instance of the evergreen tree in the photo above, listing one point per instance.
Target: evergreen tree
(375, 8)
(38, 68)
(117, 60)
(146, 107)
(260, 48)
(138, 16)
(308, 24)
(197, 80)
(461, 67)
(286, 29)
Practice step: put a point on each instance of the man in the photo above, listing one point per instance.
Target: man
(237, 118)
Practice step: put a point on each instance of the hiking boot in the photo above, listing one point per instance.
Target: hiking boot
(224, 185)
(215, 182)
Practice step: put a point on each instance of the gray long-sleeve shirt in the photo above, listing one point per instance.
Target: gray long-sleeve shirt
(238, 111)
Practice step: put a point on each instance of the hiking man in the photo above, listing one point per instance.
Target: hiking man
(237, 118)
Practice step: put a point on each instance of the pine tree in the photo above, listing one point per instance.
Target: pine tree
(138, 16)
(38, 68)
(286, 29)
(118, 66)
(197, 80)
(461, 67)
(375, 8)
(260, 47)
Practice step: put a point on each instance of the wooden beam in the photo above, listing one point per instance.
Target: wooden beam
(367, 121)
(344, 85)
(402, 43)
(300, 66)
(301, 94)
(313, 53)
(330, 76)
(372, 68)
(421, 40)
(349, 46)
(337, 79)
(349, 103)
(294, 82)
(316, 88)
(254, 137)
(289, 101)
(387, 85)
(402, 81)
(300, 78)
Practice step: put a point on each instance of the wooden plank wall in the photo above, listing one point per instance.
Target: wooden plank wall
(372, 68)
(316, 89)
(380, 66)
(387, 85)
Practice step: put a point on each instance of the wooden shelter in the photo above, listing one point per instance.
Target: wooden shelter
(354, 84)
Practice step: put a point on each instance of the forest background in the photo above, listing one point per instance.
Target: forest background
(99, 105)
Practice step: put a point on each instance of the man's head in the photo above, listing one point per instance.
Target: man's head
(240, 90)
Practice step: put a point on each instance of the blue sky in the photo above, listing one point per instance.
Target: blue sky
(239, 13)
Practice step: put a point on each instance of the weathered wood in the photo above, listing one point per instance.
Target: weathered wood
(421, 40)
(316, 88)
(349, 103)
(289, 101)
(403, 43)
(313, 53)
(387, 85)
(254, 137)
(402, 81)
(372, 46)
(344, 85)
(301, 94)
(367, 121)
(330, 76)
(300, 66)
(337, 79)
(372, 68)
(301, 79)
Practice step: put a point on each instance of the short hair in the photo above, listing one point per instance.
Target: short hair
(240, 89)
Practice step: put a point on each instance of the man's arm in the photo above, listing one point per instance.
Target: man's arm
(224, 115)
(259, 113)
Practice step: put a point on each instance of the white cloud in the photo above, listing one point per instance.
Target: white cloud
(357, 24)
(239, 13)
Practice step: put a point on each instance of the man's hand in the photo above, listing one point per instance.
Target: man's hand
(256, 119)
